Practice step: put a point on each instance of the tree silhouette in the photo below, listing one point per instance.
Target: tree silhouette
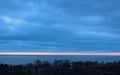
(62, 67)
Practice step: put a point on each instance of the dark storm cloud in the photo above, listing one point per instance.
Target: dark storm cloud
(59, 25)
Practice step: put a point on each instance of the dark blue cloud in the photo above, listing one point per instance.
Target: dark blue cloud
(60, 25)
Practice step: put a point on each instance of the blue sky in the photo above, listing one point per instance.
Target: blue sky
(60, 25)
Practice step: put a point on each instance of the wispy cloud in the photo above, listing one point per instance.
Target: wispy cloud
(12, 21)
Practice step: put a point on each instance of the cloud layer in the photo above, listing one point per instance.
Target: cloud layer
(60, 25)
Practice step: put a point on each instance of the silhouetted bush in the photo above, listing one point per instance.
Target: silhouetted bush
(62, 67)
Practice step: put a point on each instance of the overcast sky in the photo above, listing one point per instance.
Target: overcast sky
(60, 25)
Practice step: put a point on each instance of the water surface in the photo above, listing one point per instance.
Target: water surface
(23, 59)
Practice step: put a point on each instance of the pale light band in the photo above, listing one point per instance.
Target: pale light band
(61, 53)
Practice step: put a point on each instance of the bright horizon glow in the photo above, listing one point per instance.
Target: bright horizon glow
(62, 53)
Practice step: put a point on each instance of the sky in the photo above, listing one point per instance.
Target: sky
(59, 26)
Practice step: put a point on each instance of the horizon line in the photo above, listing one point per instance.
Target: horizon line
(62, 53)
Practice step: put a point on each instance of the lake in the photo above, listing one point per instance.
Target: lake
(23, 59)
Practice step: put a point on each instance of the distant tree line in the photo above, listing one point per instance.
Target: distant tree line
(62, 67)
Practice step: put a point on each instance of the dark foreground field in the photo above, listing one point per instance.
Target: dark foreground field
(62, 67)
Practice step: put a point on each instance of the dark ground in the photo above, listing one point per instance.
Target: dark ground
(62, 67)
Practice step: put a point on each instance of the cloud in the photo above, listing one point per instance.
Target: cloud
(12, 21)
(59, 25)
